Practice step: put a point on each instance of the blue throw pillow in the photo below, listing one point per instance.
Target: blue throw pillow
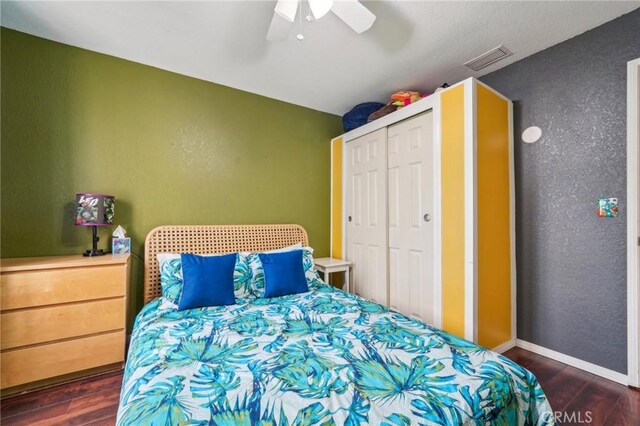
(283, 273)
(208, 280)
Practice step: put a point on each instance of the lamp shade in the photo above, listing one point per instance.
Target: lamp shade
(94, 209)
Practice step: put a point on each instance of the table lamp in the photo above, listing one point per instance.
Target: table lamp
(94, 210)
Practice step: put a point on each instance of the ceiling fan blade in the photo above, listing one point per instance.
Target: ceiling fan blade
(319, 8)
(279, 28)
(287, 9)
(355, 15)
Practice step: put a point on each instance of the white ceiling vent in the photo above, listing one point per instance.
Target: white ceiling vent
(492, 56)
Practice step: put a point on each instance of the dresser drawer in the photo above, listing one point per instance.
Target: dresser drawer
(39, 325)
(45, 287)
(26, 365)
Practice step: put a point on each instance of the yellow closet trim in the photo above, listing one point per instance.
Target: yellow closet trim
(453, 207)
(336, 198)
(494, 239)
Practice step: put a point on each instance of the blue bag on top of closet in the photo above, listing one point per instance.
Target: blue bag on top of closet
(359, 114)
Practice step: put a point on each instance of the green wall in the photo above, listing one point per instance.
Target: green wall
(171, 149)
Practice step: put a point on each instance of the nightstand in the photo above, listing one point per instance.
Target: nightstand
(328, 265)
(62, 317)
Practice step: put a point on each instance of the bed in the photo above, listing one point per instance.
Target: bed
(320, 357)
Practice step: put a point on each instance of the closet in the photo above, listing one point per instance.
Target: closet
(422, 204)
(389, 238)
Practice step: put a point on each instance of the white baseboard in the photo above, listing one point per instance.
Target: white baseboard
(505, 346)
(574, 362)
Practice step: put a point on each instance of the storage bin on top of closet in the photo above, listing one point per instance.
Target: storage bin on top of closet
(422, 203)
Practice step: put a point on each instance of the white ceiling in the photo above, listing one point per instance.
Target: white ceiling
(412, 45)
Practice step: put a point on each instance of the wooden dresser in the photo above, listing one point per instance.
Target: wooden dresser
(61, 317)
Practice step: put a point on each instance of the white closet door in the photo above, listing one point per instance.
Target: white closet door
(410, 175)
(366, 209)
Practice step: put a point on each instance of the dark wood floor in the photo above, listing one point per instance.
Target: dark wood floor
(94, 401)
(578, 395)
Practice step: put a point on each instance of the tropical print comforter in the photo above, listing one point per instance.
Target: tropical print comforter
(321, 357)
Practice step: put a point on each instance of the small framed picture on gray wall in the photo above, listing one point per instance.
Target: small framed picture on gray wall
(607, 207)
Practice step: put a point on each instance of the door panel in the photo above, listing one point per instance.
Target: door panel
(366, 200)
(410, 185)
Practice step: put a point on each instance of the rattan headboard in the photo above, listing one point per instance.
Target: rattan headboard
(202, 239)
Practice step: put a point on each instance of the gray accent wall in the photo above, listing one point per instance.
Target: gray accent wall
(571, 265)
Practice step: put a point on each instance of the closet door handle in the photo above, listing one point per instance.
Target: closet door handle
(349, 218)
(427, 217)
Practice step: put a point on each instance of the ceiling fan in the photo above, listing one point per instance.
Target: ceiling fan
(354, 14)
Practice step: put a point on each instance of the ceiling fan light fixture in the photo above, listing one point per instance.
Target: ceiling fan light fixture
(351, 12)
(319, 8)
(287, 9)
